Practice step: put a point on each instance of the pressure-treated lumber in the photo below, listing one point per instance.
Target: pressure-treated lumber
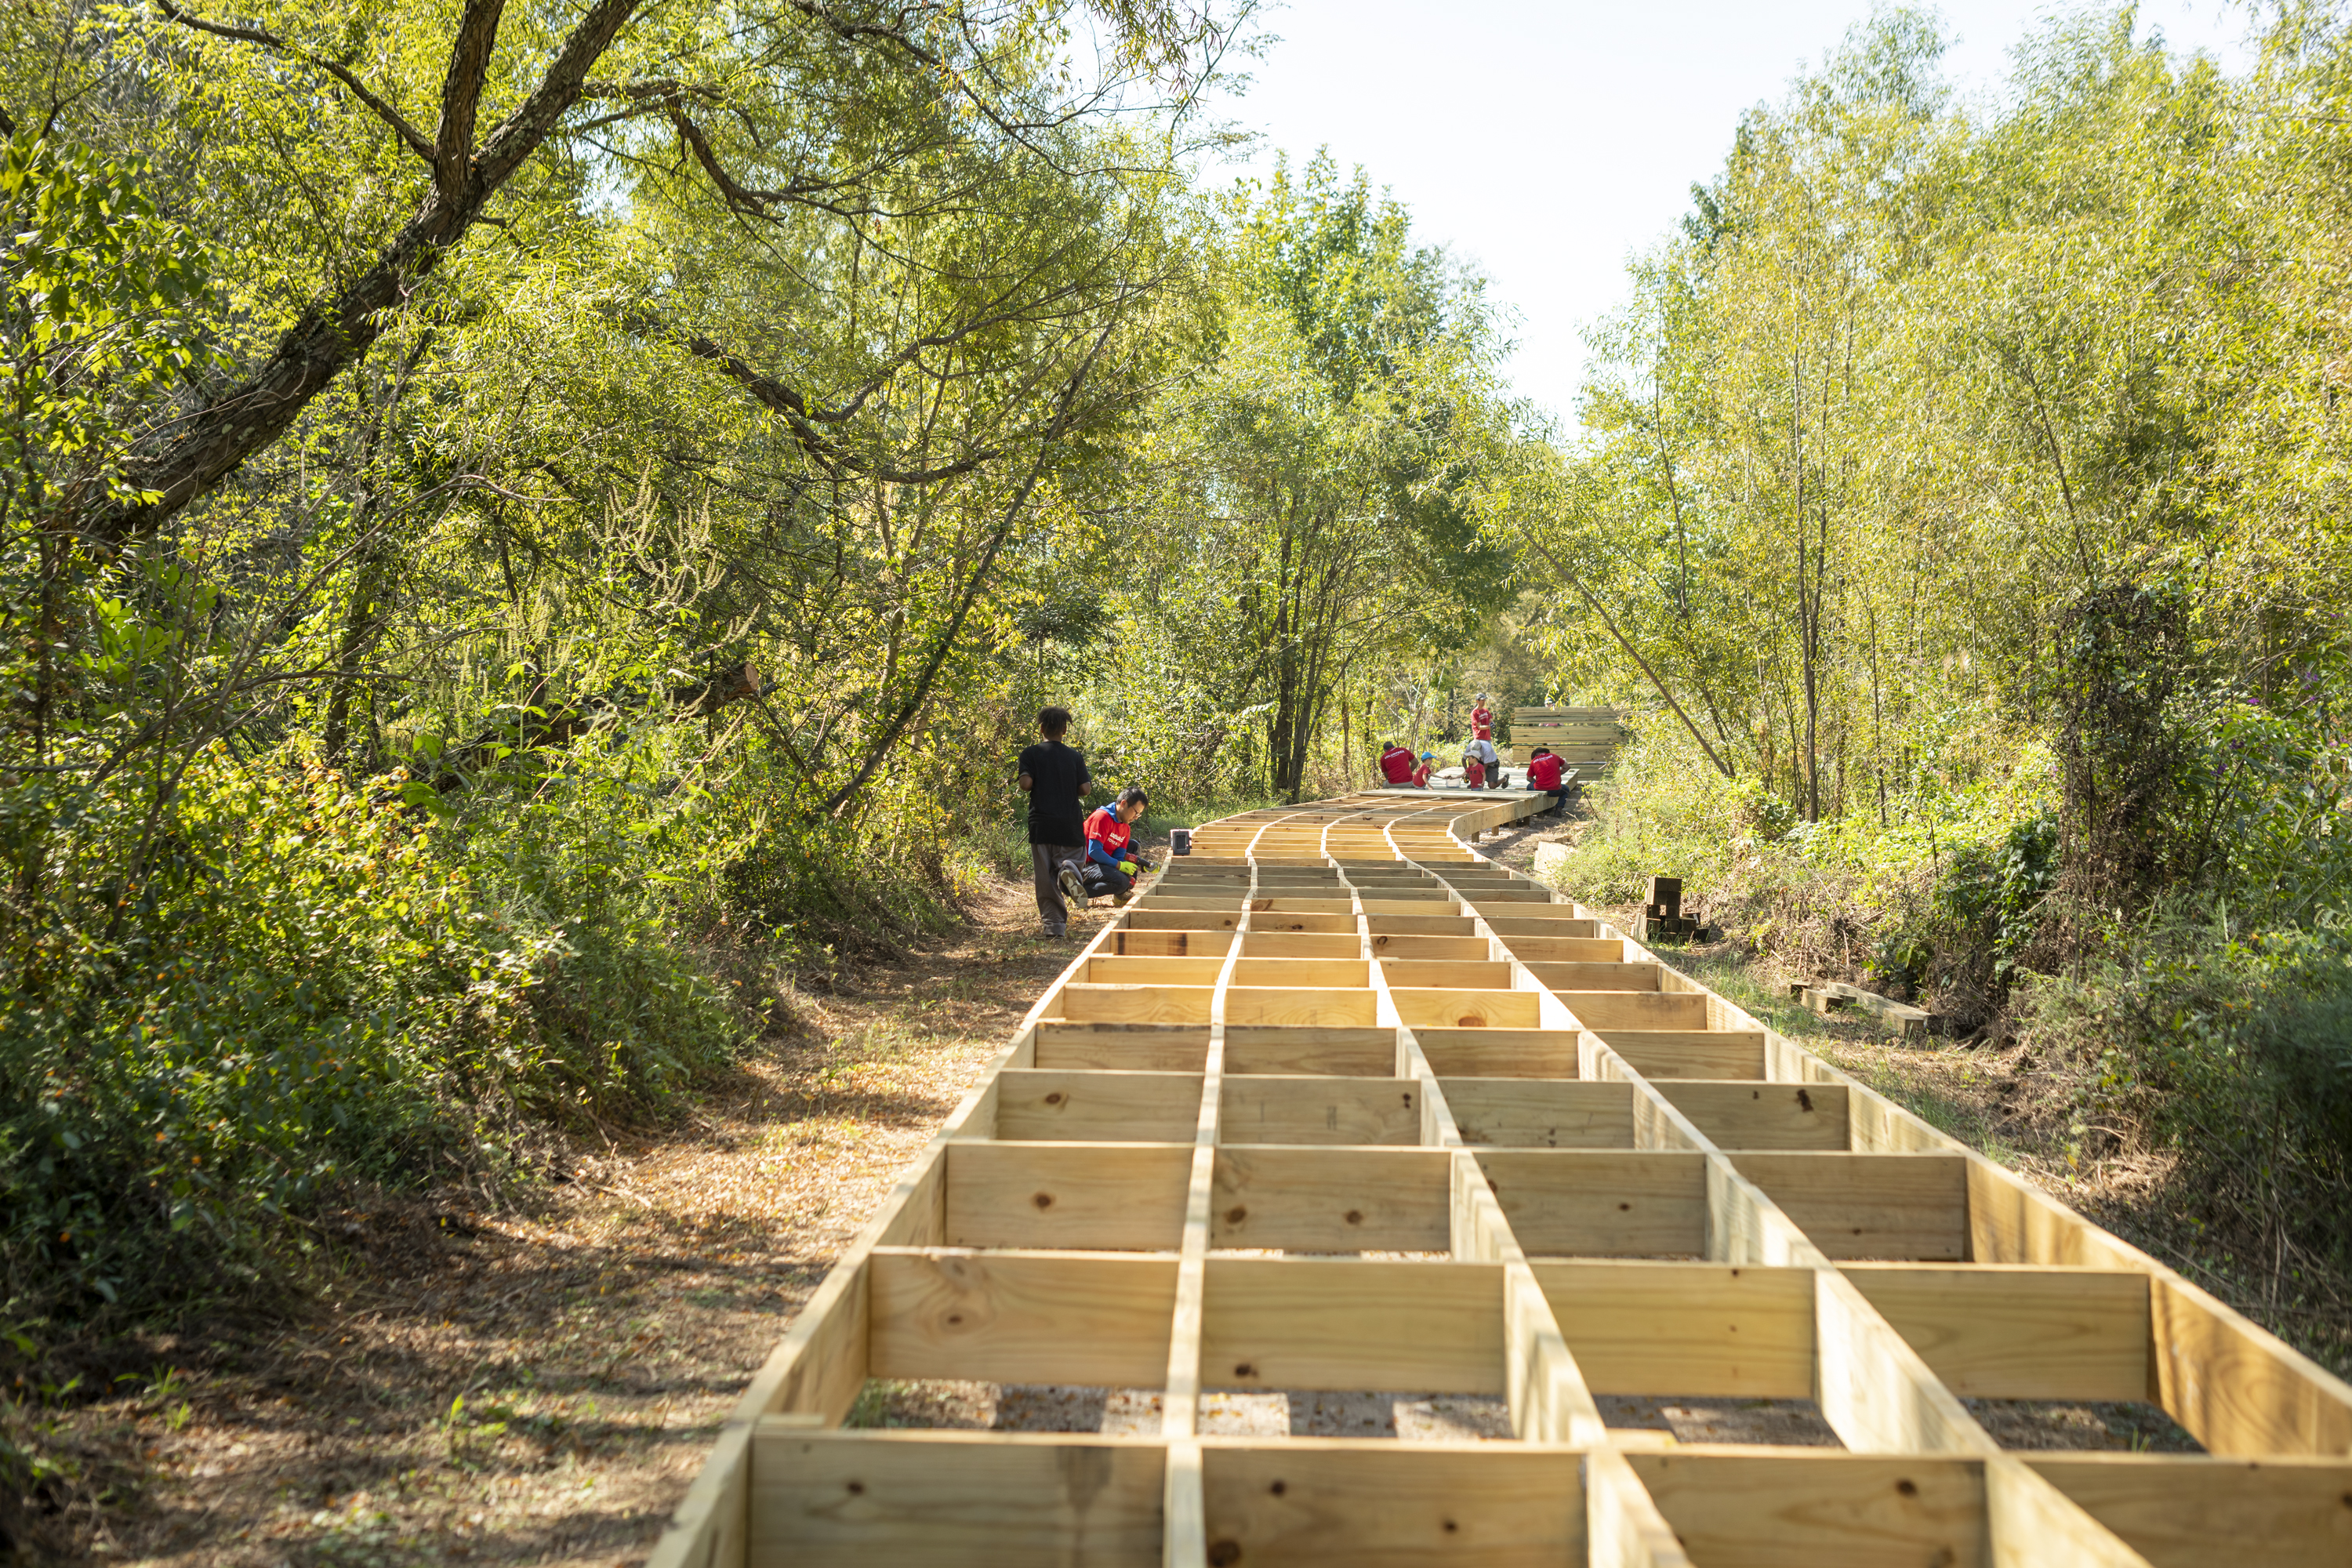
(1338, 1108)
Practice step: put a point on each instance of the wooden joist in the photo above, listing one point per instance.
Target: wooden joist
(1337, 1109)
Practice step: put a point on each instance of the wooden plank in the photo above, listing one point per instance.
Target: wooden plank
(1300, 944)
(1722, 1054)
(1603, 1011)
(1393, 1505)
(1097, 1107)
(1452, 1009)
(2190, 1512)
(1874, 1390)
(1353, 1324)
(1112, 1196)
(1567, 950)
(1020, 1317)
(1130, 942)
(1444, 975)
(1120, 1048)
(1600, 1203)
(1332, 1200)
(1534, 1113)
(1910, 1207)
(1465, 949)
(2011, 1331)
(1266, 1109)
(1606, 976)
(1418, 925)
(1541, 920)
(1342, 1052)
(1083, 1003)
(1783, 1509)
(1249, 1005)
(1737, 1116)
(1151, 971)
(932, 1499)
(2238, 1389)
(1706, 1328)
(1500, 1053)
(2034, 1522)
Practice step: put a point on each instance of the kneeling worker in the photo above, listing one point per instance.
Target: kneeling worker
(1396, 763)
(1543, 773)
(1113, 861)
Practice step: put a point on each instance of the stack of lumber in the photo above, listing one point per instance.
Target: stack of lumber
(1586, 739)
(1339, 1110)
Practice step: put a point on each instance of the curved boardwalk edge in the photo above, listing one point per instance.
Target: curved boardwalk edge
(1339, 1105)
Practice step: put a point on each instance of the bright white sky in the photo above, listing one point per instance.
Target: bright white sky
(1548, 142)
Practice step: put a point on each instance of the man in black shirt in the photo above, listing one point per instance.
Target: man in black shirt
(1055, 779)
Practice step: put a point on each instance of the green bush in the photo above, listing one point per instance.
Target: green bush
(313, 987)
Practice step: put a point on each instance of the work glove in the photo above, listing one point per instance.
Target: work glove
(1132, 867)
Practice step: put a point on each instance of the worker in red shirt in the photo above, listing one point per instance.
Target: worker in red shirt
(1482, 721)
(1113, 861)
(1420, 774)
(1544, 773)
(1396, 763)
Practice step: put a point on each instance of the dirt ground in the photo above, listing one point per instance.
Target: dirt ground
(539, 1385)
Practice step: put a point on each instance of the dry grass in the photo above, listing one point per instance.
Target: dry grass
(538, 1384)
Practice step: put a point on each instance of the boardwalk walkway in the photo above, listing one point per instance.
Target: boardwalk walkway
(1338, 1108)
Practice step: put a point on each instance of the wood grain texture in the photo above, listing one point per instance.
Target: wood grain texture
(1020, 1317)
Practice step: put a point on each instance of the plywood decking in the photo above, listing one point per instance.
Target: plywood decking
(1339, 1106)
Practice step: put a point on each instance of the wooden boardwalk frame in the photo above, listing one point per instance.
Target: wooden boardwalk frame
(1337, 1030)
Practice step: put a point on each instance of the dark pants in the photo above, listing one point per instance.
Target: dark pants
(1045, 862)
(1103, 883)
(1559, 799)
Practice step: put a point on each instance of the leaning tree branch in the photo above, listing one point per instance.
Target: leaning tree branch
(338, 328)
(461, 94)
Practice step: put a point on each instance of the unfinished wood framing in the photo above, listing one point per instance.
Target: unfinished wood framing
(1339, 1106)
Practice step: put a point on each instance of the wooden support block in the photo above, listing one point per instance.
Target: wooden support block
(1103, 1197)
(952, 1499)
(1600, 1203)
(1120, 1048)
(1317, 1008)
(1317, 1111)
(1995, 1332)
(1020, 1317)
(1141, 919)
(1500, 1053)
(1729, 1054)
(1737, 1116)
(1602, 1011)
(2185, 1511)
(1335, 1052)
(1456, 949)
(1300, 974)
(1097, 1107)
(1908, 1207)
(1780, 1509)
(1583, 978)
(1825, 1003)
(1332, 1200)
(1353, 1324)
(1531, 1113)
(1686, 1328)
(1464, 1009)
(1346, 1502)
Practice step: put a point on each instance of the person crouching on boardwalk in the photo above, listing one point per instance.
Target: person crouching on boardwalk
(1113, 862)
(1396, 763)
(1420, 774)
(1055, 779)
(1543, 773)
(1473, 768)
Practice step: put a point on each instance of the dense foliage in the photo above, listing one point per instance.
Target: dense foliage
(1973, 477)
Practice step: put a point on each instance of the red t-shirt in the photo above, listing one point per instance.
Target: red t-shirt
(1482, 725)
(1421, 776)
(1396, 766)
(1544, 773)
(1105, 827)
(1473, 773)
